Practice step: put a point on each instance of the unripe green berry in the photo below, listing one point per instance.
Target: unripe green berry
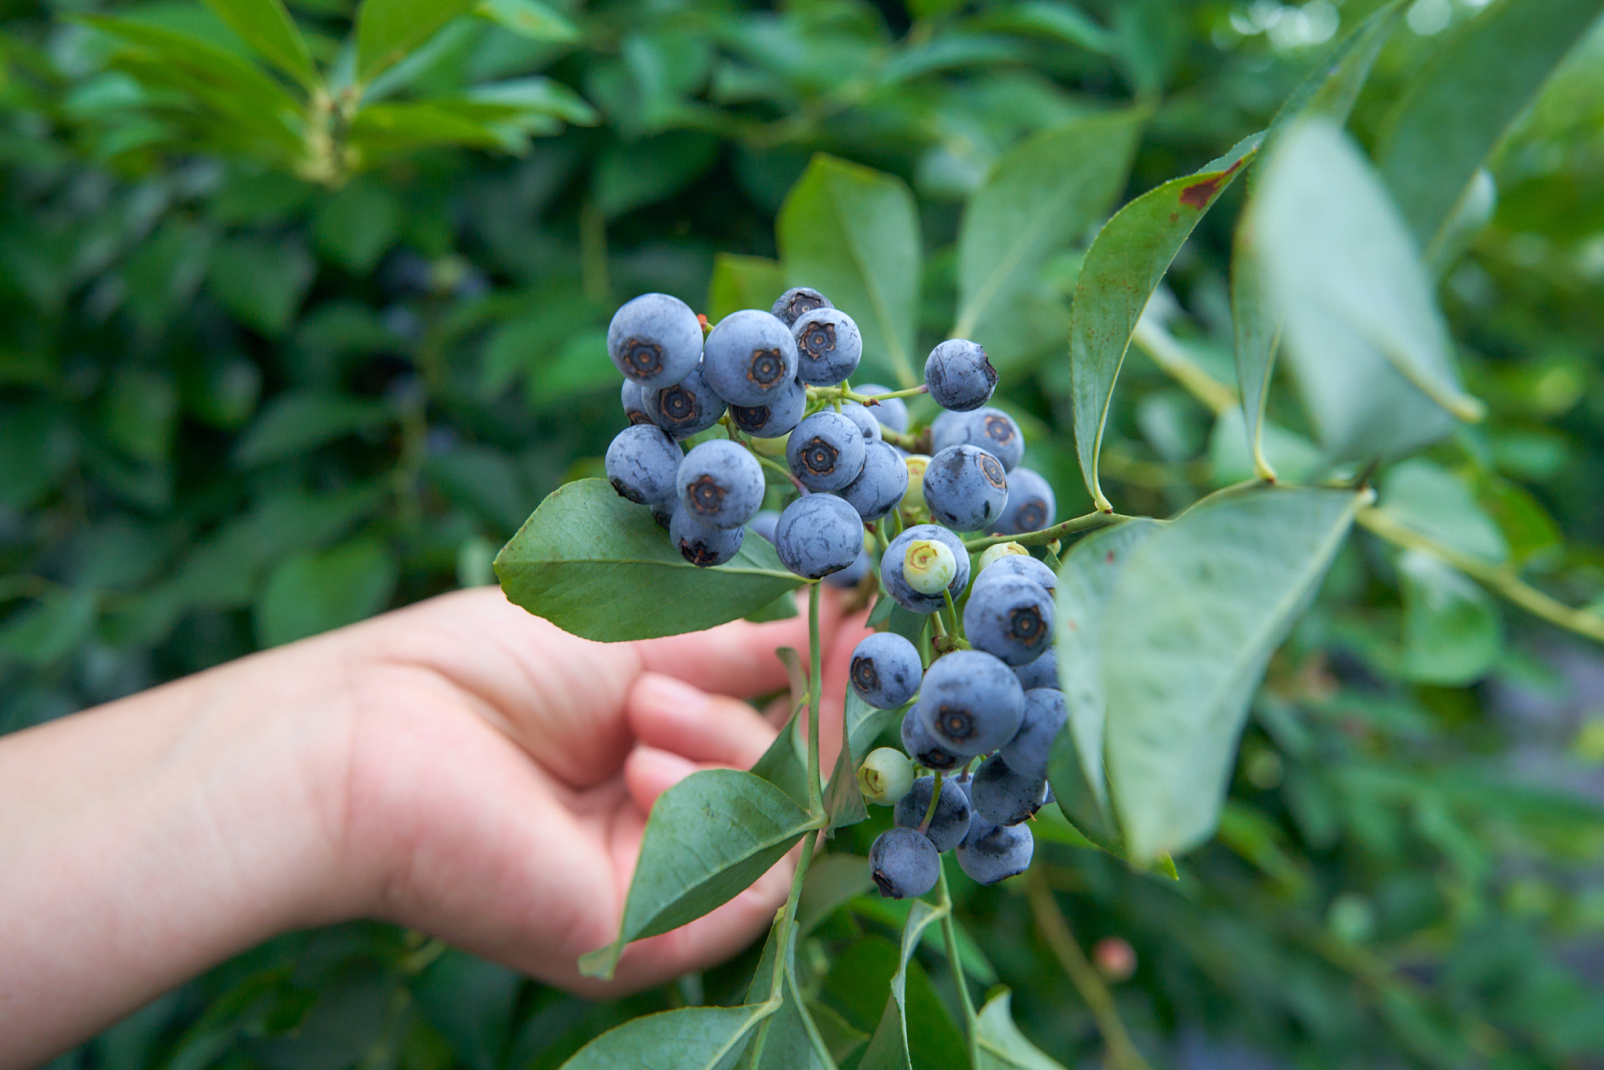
(994, 553)
(915, 496)
(885, 776)
(929, 566)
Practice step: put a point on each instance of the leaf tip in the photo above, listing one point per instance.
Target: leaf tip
(602, 962)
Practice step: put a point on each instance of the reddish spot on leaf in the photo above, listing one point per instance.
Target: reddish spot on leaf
(1199, 194)
(1110, 558)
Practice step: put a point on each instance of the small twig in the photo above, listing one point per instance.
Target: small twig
(1052, 534)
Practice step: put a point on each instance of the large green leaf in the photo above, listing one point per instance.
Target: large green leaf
(708, 838)
(691, 1038)
(853, 234)
(1457, 106)
(788, 1039)
(999, 1043)
(888, 1048)
(1452, 632)
(599, 566)
(386, 30)
(1196, 612)
(743, 282)
(1122, 269)
(1364, 335)
(1042, 194)
(267, 27)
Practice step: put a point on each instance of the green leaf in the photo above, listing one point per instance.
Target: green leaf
(1452, 631)
(1429, 499)
(833, 880)
(386, 30)
(999, 1043)
(267, 27)
(1042, 194)
(707, 839)
(528, 18)
(691, 1038)
(261, 281)
(843, 798)
(785, 763)
(631, 174)
(1456, 108)
(853, 234)
(313, 593)
(296, 422)
(1196, 611)
(888, 1047)
(1363, 332)
(598, 566)
(357, 224)
(382, 131)
(743, 282)
(1085, 584)
(1123, 267)
(787, 1039)
(50, 631)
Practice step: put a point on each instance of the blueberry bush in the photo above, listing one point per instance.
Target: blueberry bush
(1232, 557)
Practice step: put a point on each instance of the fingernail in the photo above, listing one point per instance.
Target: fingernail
(664, 694)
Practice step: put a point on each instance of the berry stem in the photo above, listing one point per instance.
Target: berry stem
(957, 629)
(949, 933)
(1052, 534)
(815, 686)
(930, 811)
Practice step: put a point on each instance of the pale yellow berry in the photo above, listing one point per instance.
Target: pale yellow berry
(996, 553)
(929, 566)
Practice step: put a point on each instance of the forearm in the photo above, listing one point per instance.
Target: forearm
(143, 841)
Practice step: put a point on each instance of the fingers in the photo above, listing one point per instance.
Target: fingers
(672, 715)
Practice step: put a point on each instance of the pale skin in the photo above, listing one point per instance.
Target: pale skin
(459, 767)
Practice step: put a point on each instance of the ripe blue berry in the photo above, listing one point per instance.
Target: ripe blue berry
(971, 702)
(881, 484)
(1003, 796)
(965, 487)
(826, 451)
(853, 574)
(773, 418)
(750, 358)
(818, 534)
(1041, 673)
(885, 670)
(1010, 618)
(1031, 505)
(945, 431)
(828, 344)
(992, 430)
(655, 340)
(1019, 566)
(950, 823)
(922, 746)
(702, 544)
(797, 300)
(720, 483)
(686, 408)
(641, 463)
(861, 416)
(634, 398)
(991, 853)
(893, 568)
(763, 523)
(663, 512)
(1028, 752)
(959, 376)
(904, 863)
(892, 413)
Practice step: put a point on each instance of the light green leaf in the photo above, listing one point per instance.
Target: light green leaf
(1363, 332)
(386, 30)
(691, 1038)
(598, 566)
(743, 282)
(1428, 499)
(382, 131)
(313, 593)
(707, 839)
(1452, 631)
(528, 18)
(1041, 195)
(528, 96)
(853, 234)
(999, 1043)
(295, 422)
(1456, 108)
(1122, 269)
(1196, 612)
(267, 27)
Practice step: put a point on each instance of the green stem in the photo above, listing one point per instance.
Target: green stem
(930, 811)
(1167, 353)
(1052, 534)
(815, 686)
(949, 932)
(953, 610)
(845, 393)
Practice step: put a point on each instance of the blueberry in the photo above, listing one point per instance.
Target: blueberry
(959, 376)
(1019, 566)
(885, 670)
(882, 483)
(797, 300)
(950, 823)
(991, 853)
(892, 413)
(750, 358)
(865, 420)
(655, 340)
(946, 430)
(641, 463)
(1045, 714)
(763, 523)
(893, 566)
(992, 430)
(828, 345)
(971, 702)
(826, 451)
(634, 399)
(687, 407)
(818, 534)
(922, 746)
(1005, 797)
(720, 483)
(904, 863)
(885, 776)
(1010, 618)
(854, 573)
(702, 544)
(1031, 505)
(1043, 672)
(773, 418)
(965, 487)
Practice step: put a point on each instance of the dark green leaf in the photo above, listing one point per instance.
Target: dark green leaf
(743, 282)
(1124, 266)
(833, 880)
(888, 1048)
(471, 1002)
(1196, 612)
(386, 30)
(691, 1038)
(267, 27)
(785, 763)
(313, 593)
(1452, 631)
(787, 1039)
(50, 631)
(294, 423)
(632, 174)
(528, 18)
(261, 281)
(707, 839)
(843, 799)
(599, 566)
(356, 225)
(999, 1043)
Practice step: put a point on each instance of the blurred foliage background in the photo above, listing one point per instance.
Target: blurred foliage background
(255, 386)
